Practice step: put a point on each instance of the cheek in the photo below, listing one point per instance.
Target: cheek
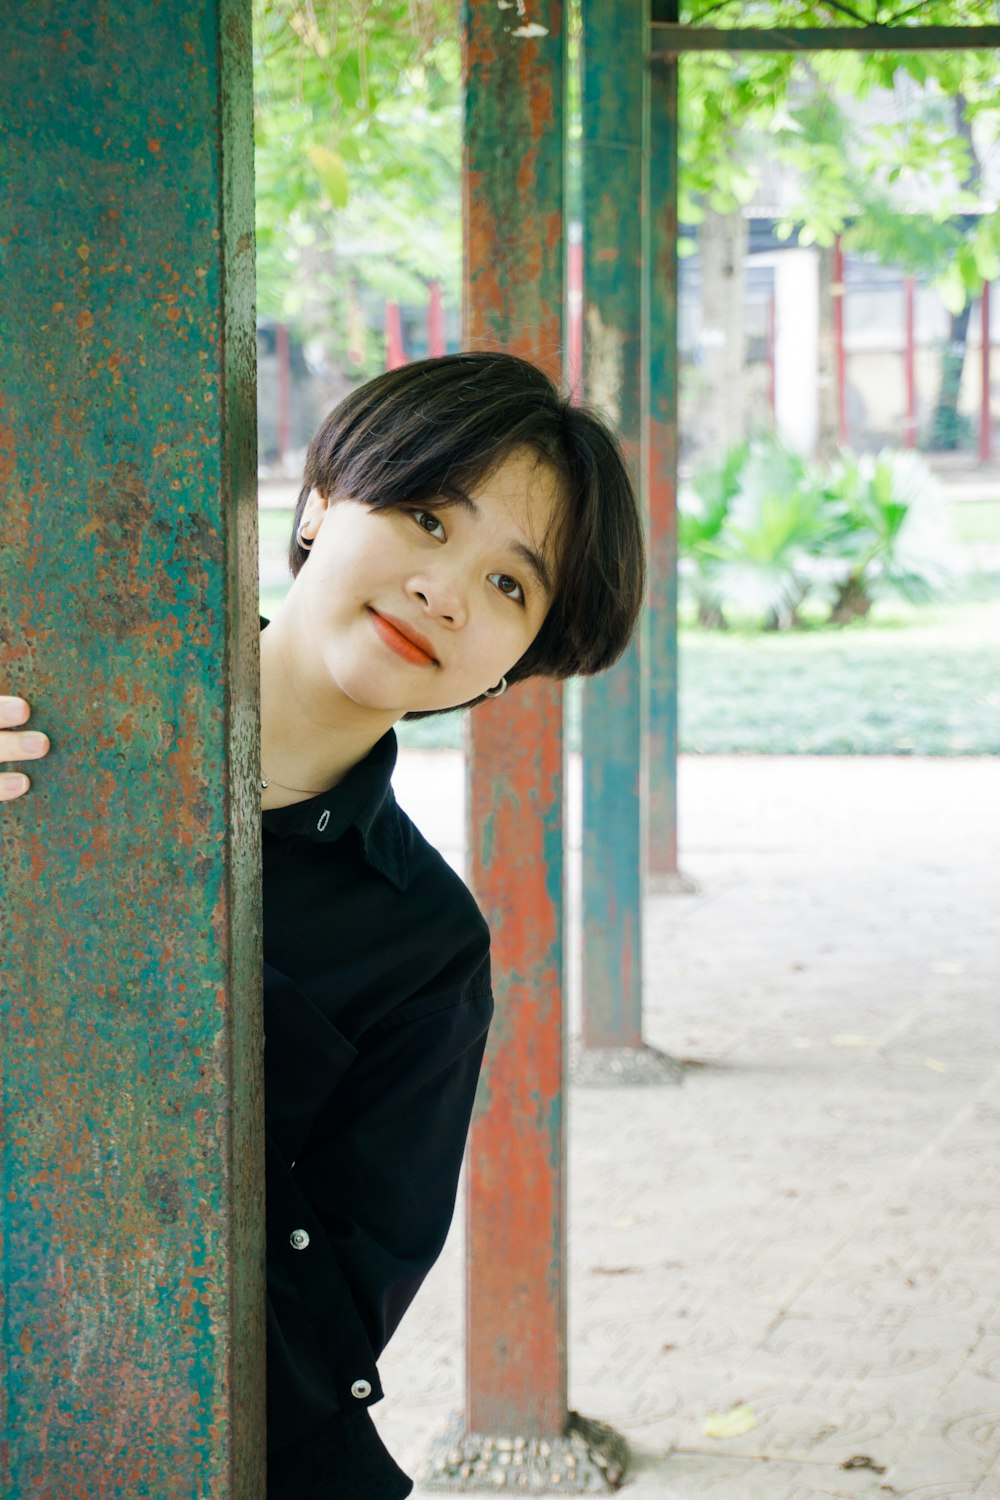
(532, 620)
(348, 566)
(512, 637)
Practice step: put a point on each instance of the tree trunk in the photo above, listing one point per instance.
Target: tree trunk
(721, 420)
(948, 428)
(853, 601)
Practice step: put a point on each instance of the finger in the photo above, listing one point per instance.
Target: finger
(13, 784)
(13, 710)
(31, 745)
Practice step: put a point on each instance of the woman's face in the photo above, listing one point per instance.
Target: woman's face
(426, 607)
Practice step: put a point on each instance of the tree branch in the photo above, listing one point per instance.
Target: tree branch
(847, 10)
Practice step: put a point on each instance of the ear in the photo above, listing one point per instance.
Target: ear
(315, 508)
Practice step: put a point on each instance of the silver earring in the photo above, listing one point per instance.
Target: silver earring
(494, 692)
(304, 542)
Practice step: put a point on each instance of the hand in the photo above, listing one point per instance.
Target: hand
(17, 743)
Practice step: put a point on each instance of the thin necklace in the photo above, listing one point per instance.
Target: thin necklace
(265, 782)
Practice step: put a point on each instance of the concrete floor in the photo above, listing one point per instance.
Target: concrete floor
(810, 1225)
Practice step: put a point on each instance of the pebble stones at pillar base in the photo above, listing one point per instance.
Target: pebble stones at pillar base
(615, 1067)
(589, 1459)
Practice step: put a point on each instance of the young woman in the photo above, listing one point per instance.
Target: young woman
(461, 527)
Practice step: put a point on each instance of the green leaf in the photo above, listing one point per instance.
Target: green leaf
(951, 289)
(987, 260)
(968, 269)
(331, 172)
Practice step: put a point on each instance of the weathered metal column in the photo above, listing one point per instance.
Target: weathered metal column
(395, 353)
(436, 341)
(660, 678)
(614, 115)
(516, 1375)
(615, 51)
(132, 1169)
(516, 1327)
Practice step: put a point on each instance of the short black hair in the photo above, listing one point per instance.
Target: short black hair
(414, 433)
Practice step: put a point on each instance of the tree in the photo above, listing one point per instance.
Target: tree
(357, 150)
(725, 103)
(906, 191)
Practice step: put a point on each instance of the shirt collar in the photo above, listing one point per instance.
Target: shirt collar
(362, 800)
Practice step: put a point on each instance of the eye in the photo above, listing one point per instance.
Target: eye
(507, 586)
(429, 523)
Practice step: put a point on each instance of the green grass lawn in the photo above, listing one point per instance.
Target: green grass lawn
(917, 682)
(908, 681)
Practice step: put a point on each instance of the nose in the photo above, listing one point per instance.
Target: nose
(442, 595)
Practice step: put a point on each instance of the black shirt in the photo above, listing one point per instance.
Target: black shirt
(377, 1004)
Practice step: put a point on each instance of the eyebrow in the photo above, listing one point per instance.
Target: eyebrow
(534, 560)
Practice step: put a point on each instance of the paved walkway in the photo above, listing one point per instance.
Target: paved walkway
(810, 1226)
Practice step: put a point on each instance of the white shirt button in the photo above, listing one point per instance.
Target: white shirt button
(299, 1239)
(361, 1389)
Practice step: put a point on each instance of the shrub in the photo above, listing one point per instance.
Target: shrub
(766, 528)
(896, 538)
(701, 515)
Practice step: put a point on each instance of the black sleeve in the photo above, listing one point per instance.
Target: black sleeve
(382, 1166)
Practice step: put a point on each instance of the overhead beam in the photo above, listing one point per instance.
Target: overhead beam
(670, 39)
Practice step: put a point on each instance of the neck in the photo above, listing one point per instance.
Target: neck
(310, 733)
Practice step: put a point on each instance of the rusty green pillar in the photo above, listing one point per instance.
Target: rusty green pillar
(132, 1167)
(614, 115)
(615, 52)
(516, 1324)
(515, 1431)
(660, 644)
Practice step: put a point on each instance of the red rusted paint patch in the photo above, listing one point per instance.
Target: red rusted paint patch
(516, 1239)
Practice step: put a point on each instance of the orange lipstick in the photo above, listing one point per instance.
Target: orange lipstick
(407, 643)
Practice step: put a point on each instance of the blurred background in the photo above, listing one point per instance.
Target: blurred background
(840, 488)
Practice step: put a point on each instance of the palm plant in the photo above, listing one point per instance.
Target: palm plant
(702, 513)
(895, 538)
(777, 523)
(764, 528)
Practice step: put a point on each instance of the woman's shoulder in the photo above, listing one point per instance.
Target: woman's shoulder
(439, 900)
(430, 873)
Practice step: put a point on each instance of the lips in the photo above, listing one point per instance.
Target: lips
(403, 639)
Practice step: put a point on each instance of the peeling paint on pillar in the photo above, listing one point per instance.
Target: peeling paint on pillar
(132, 1176)
(516, 1344)
(513, 199)
(614, 46)
(661, 651)
(516, 1324)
